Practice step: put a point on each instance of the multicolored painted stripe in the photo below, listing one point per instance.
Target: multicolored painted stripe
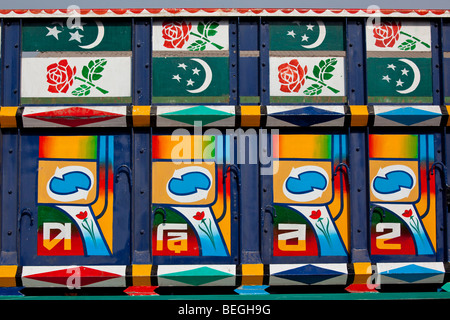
(354, 277)
(225, 116)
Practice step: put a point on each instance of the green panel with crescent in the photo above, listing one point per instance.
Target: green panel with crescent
(75, 34)
(76, 60)
(190, 79)
(307, 34)
(399, 80)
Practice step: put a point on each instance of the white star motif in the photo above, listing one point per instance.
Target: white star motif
(405, 72)
(309, 26)
(386, 77)
(399, 83)
(291, 33)
(196, 71)
(182, 65)
(176, 77)
(75, 36)
(190, 82)
(305, 38)
(53, 32)
(391, 66)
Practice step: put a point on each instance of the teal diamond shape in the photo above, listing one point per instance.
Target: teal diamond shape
(198, 113)
(198, 276)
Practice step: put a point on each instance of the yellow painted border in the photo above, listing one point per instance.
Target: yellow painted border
(250, 116)
(141, 116)
(252, 274)
(8, 117)
(8, 276)
(363, 271)
(141, 274)
(359, 115)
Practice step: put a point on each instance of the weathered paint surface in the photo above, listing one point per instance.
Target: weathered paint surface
(203, 149)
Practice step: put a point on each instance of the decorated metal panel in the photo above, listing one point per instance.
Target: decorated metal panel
(307, 61)
(88, 61)
(308, 215)
(151, 190)
(399, 61)
(190, 61)
(193, 199)
(75, 207)
(403, 210)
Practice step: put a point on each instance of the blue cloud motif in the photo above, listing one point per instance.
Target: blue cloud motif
(189, 183)
(306, 182)
(70, 183)
(393, 182)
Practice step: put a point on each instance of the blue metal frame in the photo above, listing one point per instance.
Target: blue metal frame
(142, 45)
(436, 62)
(10, 69)
(233, 61)
(264, 61)
(248, 39)
(357, 142)
(252, 192)
(141, 145)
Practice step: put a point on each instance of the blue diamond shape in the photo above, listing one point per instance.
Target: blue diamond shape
(409, 115)
(308, 274)
(308, 116)
(411, 273)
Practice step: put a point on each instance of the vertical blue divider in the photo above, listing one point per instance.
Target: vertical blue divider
(10, 143)
(359, 205)
(141, 137)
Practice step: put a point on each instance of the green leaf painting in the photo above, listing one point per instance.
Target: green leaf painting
(91, 73)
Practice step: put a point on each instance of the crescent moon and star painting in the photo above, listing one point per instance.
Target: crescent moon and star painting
(65, 61)
(297, 75)
(190, 79)
(190, 61)
(399, 79)
(307, 35)
(399, 61)
(84, 35)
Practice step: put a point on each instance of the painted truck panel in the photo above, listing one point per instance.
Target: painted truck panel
(224, 147)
